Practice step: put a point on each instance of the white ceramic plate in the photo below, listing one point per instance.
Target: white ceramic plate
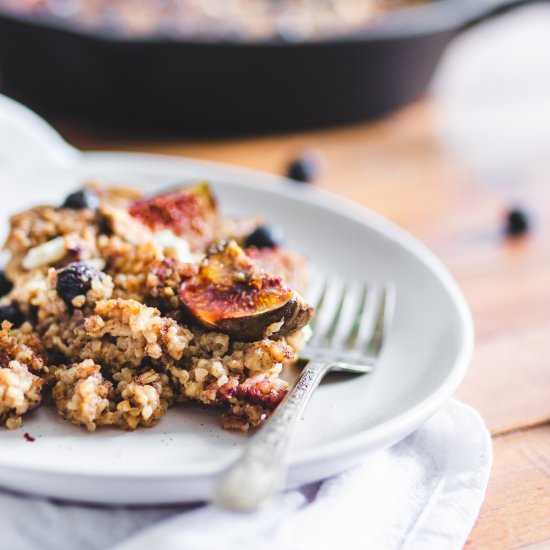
(178, 460)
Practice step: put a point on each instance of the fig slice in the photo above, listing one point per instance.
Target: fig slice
(291, 267)
(190, 213)
(232, 294)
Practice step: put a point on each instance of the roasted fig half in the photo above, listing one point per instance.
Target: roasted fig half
(189, 213)
(232, 294)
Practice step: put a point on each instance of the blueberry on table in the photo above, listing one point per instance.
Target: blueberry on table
(5, 284)
(518, 221)
(83, 198)
(11, 313)
(305, 168)
(74, 280)
(265, 236)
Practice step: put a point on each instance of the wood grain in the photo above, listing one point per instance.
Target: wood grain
(399, 168)
(517, 508)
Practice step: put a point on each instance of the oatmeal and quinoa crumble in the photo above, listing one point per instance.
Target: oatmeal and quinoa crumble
(128, 305)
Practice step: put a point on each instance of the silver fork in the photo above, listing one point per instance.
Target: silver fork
(348, 332)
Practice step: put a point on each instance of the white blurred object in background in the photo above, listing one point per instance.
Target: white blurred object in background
(492, 93)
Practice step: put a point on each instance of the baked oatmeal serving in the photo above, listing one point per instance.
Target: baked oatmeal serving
(117, 306)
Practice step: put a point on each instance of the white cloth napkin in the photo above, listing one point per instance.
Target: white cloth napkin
(424, 492)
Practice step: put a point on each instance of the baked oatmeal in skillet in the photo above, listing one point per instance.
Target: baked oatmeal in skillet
(117, 307)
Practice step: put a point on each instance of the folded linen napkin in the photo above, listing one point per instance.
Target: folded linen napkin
(423, 493)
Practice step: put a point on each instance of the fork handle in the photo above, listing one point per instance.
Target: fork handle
(261, 470)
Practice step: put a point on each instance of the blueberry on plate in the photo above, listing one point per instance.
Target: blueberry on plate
(11, 313)
(518, 221)
(74, 280)
(265, 236)
(5, 284)
(83, 198)
(305, 168)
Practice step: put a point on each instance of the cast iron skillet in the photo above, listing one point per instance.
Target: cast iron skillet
(197, 87)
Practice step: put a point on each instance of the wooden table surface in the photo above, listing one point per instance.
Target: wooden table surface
(398, 168)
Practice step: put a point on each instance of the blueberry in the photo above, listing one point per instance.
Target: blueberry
(84, 198)
(305, 168)
(265, 236)
(74, 280)
(518, 221)
(5, 284)
(12, 313)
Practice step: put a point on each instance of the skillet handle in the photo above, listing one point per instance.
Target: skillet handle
(28, 141)
(487, 9)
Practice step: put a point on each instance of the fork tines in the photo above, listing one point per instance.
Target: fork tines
(351, 320)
